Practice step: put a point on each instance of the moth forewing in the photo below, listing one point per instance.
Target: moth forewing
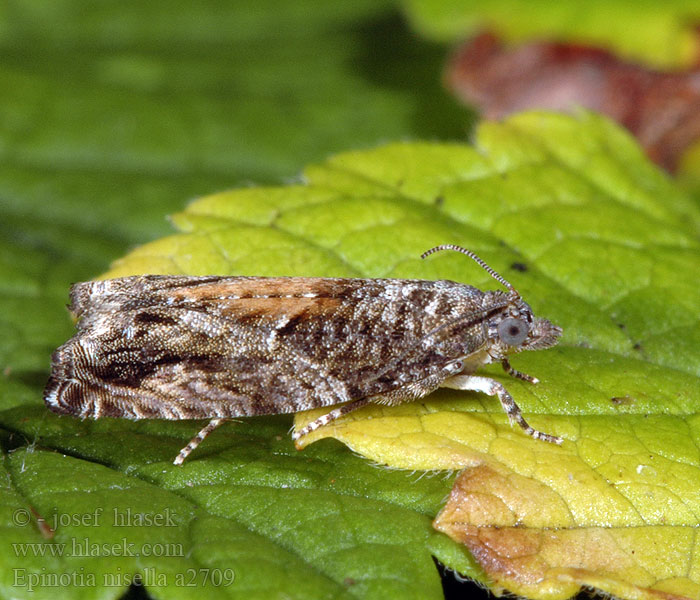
(177, 347)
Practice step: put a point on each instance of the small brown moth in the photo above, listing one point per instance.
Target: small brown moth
(176, 347)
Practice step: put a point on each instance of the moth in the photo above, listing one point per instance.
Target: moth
(177, 347)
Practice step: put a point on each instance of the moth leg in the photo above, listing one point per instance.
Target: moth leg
(494, 388)
(417, 389)
(514, 373)
(336, 413)
(197, 440)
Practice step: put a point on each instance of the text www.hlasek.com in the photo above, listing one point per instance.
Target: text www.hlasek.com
(83, 547)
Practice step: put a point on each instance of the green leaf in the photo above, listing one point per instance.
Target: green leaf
(591, 234)
(661, 34)
(264, 519)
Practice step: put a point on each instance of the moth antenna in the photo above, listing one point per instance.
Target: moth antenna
(477, 260)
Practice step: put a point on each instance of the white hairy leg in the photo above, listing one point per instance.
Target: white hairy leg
(517, 374)
(336, 413)
(197, 440)
(397, 396)
(494, 388)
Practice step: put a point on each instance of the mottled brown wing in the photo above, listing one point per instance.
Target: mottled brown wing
(196, 347)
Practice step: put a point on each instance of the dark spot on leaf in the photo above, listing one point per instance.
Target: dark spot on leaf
(625, 400)
(518, 266)
(439, 201)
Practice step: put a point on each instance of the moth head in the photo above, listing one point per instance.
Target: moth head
(512, 326)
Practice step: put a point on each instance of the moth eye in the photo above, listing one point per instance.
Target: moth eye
(513, 331)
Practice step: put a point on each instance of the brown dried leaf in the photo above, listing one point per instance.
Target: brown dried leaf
(505, 519)
(661, 109)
